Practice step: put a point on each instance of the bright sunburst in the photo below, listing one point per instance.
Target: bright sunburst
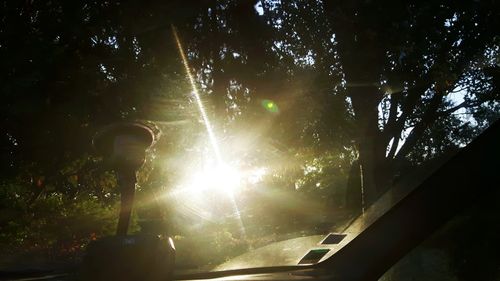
(219, 178)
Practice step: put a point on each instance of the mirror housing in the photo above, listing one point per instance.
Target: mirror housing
(124, 145)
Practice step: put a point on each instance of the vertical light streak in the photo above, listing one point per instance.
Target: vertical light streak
(196, 94)
(206, 121)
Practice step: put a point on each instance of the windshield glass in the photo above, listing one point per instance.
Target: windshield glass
(274, 123)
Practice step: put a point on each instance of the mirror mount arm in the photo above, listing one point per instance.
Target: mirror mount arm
(127, 180)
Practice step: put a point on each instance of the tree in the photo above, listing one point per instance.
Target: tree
(389, 76)
(388, 85)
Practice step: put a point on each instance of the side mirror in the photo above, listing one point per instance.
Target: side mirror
(124, 145)
(127, 257)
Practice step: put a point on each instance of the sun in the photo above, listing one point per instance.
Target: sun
(221, 177)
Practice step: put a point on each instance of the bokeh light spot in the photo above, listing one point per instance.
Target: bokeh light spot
(270, 106)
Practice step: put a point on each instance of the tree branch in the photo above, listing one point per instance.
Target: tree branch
(429, 117)
(394, 129)
(431, 113)
(394, 148)
(393, 113)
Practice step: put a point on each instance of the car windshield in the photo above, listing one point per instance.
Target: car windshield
(273, 123)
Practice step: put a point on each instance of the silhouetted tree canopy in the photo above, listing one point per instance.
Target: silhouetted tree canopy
(387, 85)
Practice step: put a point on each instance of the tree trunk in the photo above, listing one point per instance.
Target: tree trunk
(374, 166)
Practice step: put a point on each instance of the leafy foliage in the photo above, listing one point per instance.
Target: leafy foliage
(388, 86)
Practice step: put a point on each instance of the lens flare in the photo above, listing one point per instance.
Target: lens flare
(222, 177)
(196, 94)
(270, 106)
